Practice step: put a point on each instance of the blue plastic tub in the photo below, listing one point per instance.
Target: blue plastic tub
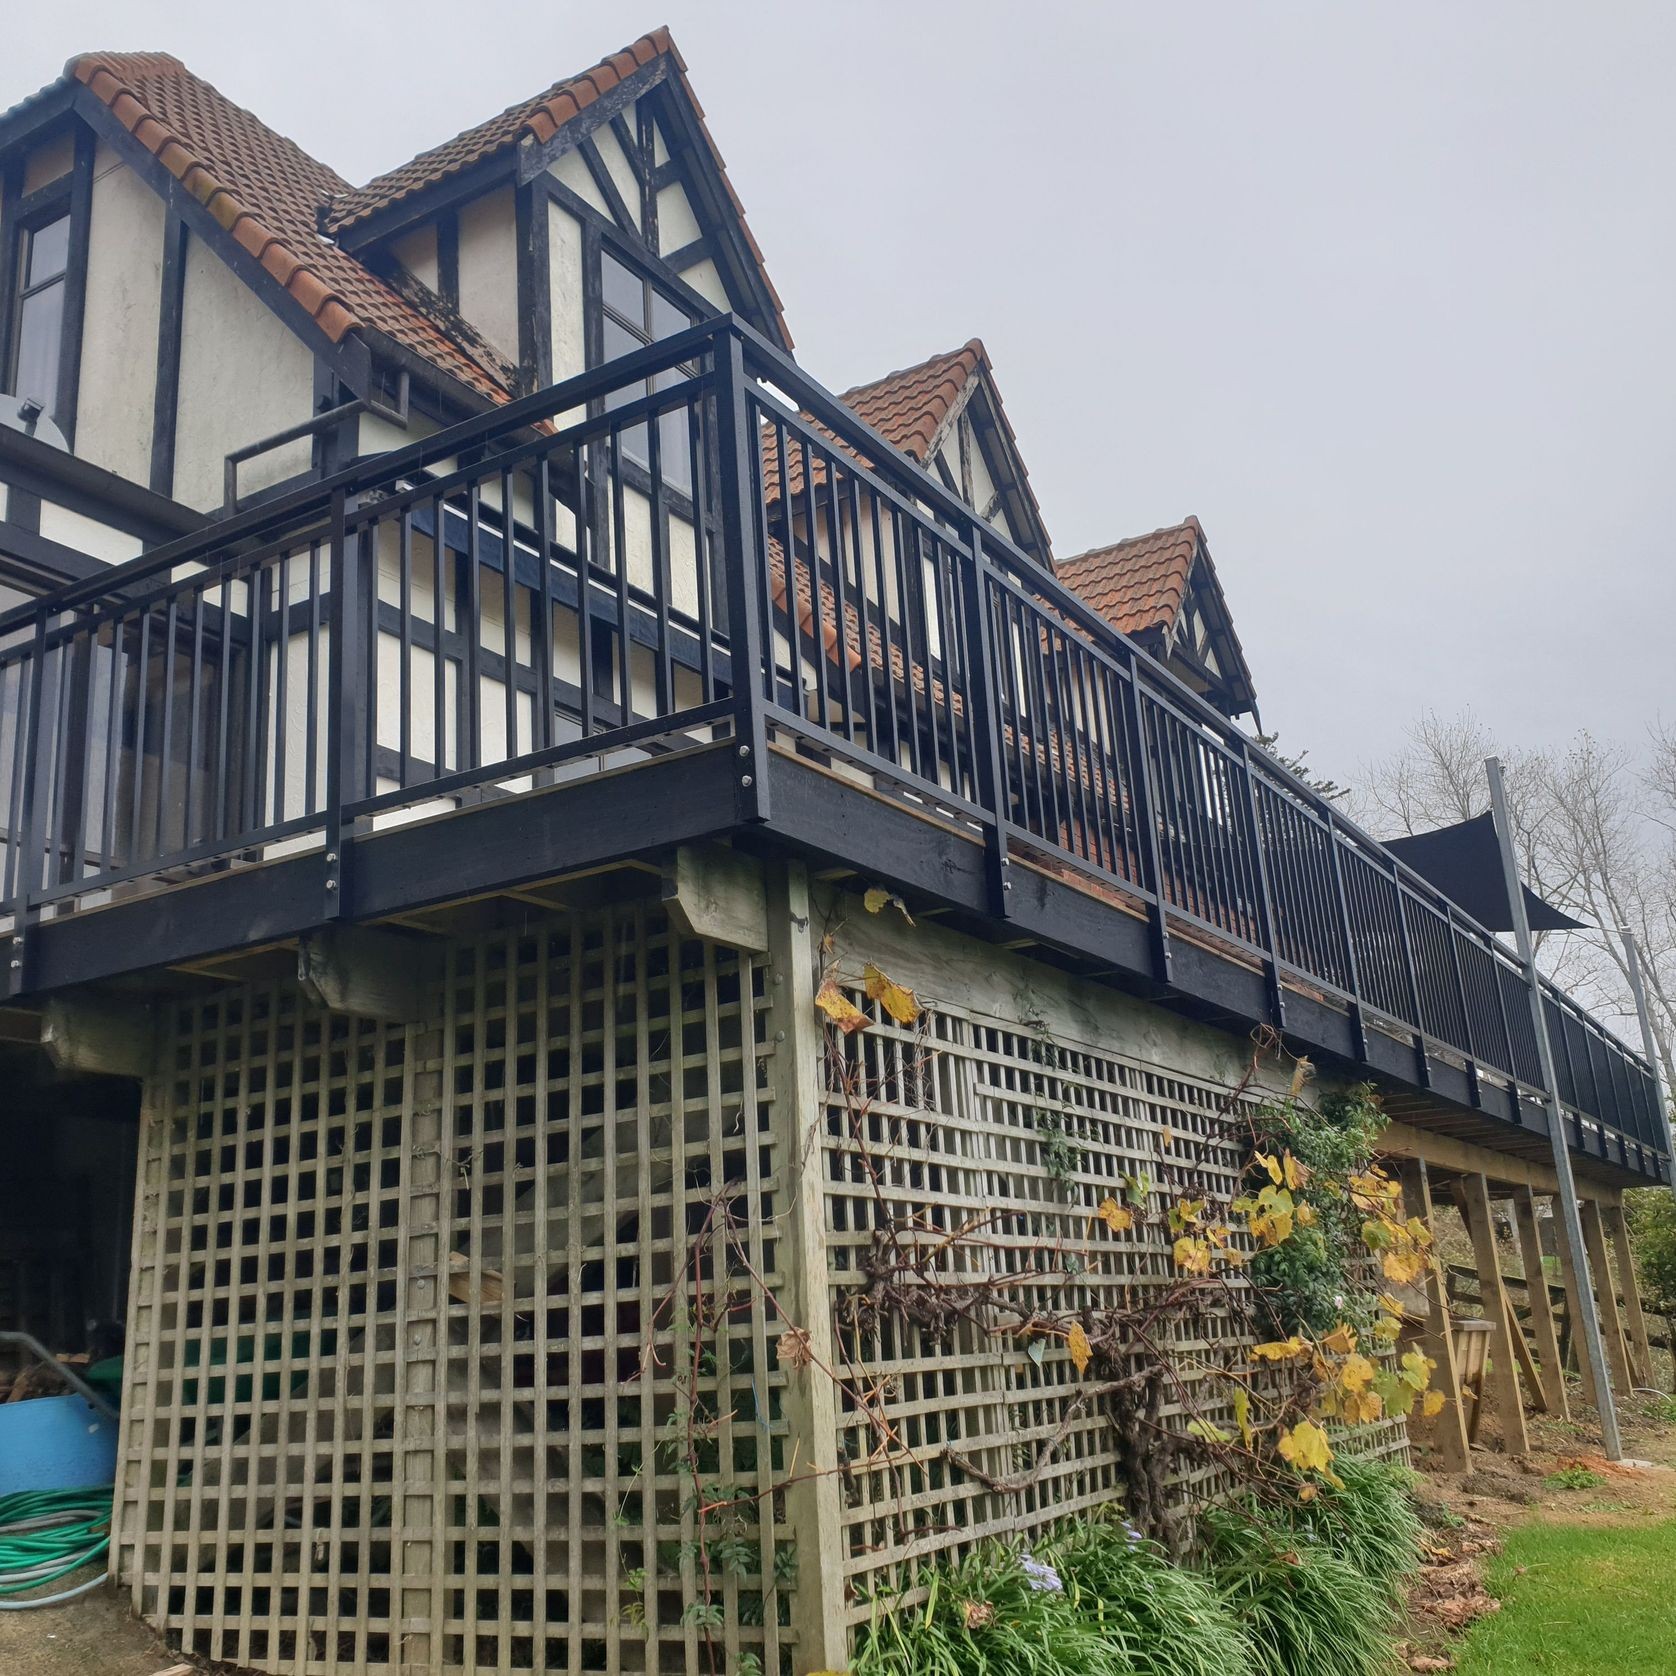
(55, 1443)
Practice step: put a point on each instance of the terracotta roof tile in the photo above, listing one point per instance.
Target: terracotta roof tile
(1138, 584)
(539, 119)
(264, 188)
(907, 408)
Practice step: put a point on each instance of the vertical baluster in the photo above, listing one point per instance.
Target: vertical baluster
(282, 677)
(194, 724)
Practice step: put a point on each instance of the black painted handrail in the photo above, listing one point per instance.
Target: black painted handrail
(843, 595)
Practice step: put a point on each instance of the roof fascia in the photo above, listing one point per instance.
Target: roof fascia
(350, 359)
(499, 168)
(1006, 467)
(1236, 676)
(35, 116)
(535, 156)
(713, 205)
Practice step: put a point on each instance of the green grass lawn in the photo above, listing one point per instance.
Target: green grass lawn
(1591, 1601)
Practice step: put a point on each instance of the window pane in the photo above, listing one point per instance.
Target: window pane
(623, 289)
(49, 250)
(675, 449)
(667, 318)
(617, 340)
(40, 326)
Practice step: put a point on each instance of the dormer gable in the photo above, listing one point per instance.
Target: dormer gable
(946, 413)
(1162, 590)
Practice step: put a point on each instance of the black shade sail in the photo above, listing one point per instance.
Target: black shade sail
(1464, 862)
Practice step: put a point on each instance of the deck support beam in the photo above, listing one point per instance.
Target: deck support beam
(98, 1035)
(367, 971)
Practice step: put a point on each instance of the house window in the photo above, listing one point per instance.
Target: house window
(38, 337)
(634, 313)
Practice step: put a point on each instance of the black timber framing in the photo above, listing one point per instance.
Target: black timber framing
(166, 391)
(535, 287)
(351, 359)
(75, 294)
(33, 467)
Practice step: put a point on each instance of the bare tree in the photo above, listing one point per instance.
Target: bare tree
(1595, 832)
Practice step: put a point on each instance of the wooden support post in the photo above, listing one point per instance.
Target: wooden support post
(1606, 1295)
(814, 1502)
(1449, 1438)
(1574, 1307)
(1635, 1319)
(419, 1511)
(1474, 1201)
(1543, 1328)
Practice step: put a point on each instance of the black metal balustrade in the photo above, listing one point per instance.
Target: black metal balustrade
(689, 544)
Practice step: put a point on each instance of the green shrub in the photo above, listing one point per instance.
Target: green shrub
(1305, 1610)
(1369, 1520)
(1174, 1621)
(997, 1613)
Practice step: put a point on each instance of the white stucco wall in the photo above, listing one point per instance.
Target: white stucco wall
(489, 268)
(243, 375)
(88, 535)
(119, 333)
(416, 251)
(564, 250)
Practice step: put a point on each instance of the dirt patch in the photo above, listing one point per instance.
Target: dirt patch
(94, 1636)
(1565, 1479)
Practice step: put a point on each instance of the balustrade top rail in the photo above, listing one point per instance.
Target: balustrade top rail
(696, 542)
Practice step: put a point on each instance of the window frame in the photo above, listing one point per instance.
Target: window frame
(22, 214)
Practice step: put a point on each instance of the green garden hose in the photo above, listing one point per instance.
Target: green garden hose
(47, 1534)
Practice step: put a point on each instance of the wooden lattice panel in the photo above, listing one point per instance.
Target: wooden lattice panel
(413, 1363)
(952, 1125)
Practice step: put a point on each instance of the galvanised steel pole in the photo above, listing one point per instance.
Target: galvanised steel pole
(1594, 1344)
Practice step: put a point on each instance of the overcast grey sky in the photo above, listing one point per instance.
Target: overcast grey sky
(1381, 291)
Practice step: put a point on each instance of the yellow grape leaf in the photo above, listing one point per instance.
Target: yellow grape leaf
(876, 901)
(1166, 1138)
(1282, 1350)
(1192, 1255)
(1207, 1430)
(1356, 1374)
(1301, 1073)
(1404, 1267)
(1184, 1213)
(1242, 1413)
(1306, 1447)
(840, 1008)
(1308, 1492)
(1341, 1340)
(1431, 1405)
(1296, 1174)
(1115, 1216)
(1304, 1215)
(899, 1002)
(1362, 1408)
(1082, 1352)
(1270, 1164)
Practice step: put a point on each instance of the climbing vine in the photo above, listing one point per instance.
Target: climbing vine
(1290, 1261)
